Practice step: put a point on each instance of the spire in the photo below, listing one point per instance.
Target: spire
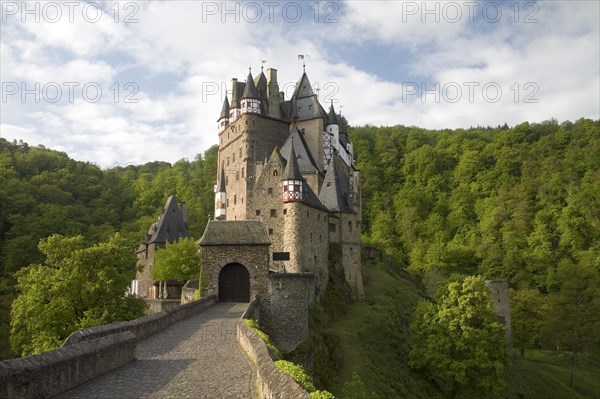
(225, 109)
(221, 185)
(292, 170)
(250, 89)
(332, 118)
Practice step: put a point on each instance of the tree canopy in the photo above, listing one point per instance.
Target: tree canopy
(77, 286)
(459, 342)
(179, 260)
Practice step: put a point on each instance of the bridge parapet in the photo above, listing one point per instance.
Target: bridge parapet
(53, 372)
(273, 383)
(86, 354)
(144, 326)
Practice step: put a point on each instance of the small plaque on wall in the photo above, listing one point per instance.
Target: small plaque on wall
(281, 256)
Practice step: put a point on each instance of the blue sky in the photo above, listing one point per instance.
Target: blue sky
(118, 82)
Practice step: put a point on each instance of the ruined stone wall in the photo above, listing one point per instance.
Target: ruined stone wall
(346, 232)
(501, 302)
(284, 309)
(254, 257)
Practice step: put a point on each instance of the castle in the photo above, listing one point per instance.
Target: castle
(287, 204)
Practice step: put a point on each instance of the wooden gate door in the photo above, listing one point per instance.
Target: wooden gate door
(234, 283)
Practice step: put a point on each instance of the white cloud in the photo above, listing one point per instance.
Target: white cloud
(200, 54)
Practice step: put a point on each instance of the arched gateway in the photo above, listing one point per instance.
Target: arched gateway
(234, 283)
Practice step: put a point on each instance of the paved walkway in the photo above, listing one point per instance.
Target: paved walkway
(197, 358)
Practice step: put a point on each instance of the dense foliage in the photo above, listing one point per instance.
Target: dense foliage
(508, 204)
(459, 342)
(78, 286)
(44, 192)
(179, 260)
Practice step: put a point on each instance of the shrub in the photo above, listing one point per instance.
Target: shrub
(272, 348)
(321, 395)
(298, 373)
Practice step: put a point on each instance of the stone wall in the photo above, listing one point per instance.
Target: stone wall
(53, 372)
(273, 383)
(254, 257)
(160, 305)
(284, 310)
(305, 237)
(144, 326)
(500, 301)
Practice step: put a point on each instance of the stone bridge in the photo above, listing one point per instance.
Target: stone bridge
(209, 354)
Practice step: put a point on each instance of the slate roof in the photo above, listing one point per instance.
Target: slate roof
(332, 117)
(225, 109)
(261, 85)
(250, 89)
(170, 225)
(306, 162)
(221, 185)
(292, 170)
(234, 232)
(336, 187)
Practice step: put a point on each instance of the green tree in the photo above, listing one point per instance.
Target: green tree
(528, 309)
(179, 260)
(575, 310)
(458, 341)
(78, 286)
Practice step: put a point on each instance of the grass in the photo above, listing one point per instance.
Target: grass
(547, 375)
(372, 336)
(374, 341)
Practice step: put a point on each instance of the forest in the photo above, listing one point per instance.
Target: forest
(520, 204)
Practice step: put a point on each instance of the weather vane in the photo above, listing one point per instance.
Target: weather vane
(301, 57)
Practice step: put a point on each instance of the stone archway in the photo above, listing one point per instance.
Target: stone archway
(234, 283)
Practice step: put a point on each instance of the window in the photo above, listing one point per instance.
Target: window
(275, 172)
(332, 227)
(270, 232)
(258, 212)
(240, 153)
(234, 199)
(285, 211)
(242, 172)
(270, 190)
(237, 176)
(273, 213)
(227, 161)
(350, 226)
(307, 213)
(233, 160)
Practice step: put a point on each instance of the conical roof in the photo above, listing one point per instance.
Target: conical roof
(221, 185)
(250, 89)
(225, 109)
(292, 170)
(332, 117)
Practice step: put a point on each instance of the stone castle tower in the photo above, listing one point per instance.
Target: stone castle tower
(287, 200)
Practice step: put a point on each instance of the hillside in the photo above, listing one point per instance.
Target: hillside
(374, 341)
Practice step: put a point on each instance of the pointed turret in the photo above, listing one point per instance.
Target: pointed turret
(292, 179)
(250, 102)
(221, 197)
(224, 117)
(332, 117)
(234, 109)
(250, 89)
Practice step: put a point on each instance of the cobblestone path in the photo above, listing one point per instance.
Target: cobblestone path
(197, 358)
